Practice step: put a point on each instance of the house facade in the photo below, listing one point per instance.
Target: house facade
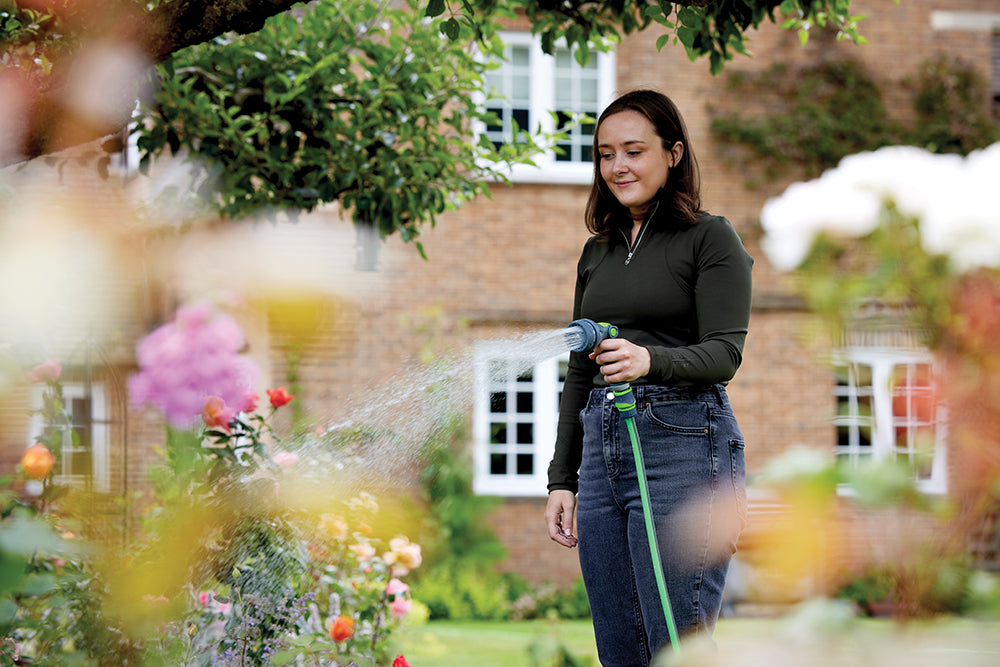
(499, 280)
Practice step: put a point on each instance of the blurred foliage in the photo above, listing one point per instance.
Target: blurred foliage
(805, 119)
(889, 266)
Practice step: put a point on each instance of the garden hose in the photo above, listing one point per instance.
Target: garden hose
(625, 404)
(585, 335)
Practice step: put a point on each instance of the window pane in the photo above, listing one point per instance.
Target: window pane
(498, 433)
(521, 118)
(525, 402)
(525, 434)
(520, 88)
(498, 464)
(525, 464)
(498, 402)
(520, 56)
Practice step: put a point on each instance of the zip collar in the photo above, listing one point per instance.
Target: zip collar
(642, 231)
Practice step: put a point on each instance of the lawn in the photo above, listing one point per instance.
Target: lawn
(800, 641)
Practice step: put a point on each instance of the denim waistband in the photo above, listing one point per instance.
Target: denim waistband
(645, 393)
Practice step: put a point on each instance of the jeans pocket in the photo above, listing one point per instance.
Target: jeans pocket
(683, 417)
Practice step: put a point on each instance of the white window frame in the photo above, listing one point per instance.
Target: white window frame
(99, 434)
(545, 387)
(883, 361)
(542, 102)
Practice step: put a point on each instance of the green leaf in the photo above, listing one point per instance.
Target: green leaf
(435, 8)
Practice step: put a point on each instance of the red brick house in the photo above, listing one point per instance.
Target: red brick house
(499, 268)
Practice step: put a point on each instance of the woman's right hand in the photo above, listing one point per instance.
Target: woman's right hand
(560, 517)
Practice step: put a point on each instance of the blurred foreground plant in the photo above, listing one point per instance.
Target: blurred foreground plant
(919, 233)
(230, 567)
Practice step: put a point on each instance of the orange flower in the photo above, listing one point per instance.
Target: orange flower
(279, 396)
(342, 628)
(216, 413)
(37, 461)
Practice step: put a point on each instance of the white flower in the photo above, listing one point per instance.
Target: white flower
(964, 220)
(793, 220)
(956, 201)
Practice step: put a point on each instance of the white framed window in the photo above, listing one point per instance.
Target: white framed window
(83, 459)
(515, 413)
(887, 408)
(530, 86)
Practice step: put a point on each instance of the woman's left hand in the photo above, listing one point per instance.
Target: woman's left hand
(620, 360)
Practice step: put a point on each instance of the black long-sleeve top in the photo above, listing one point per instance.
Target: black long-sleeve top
(684, 295)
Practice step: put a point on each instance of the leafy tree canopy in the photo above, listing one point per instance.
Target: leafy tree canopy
(41, 39)
(286, 105)
(348, 101)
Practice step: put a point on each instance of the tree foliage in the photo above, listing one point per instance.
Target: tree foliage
(41, 39)
(369, 103)
(347, 101)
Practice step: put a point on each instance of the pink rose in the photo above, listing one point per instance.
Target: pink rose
(396, 587)
(400, 606)
(46, 371)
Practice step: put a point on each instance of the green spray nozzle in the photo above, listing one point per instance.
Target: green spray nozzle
(584, 334)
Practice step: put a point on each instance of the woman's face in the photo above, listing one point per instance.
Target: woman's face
(634, 163)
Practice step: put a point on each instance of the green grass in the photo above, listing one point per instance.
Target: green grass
(956, 642)
(495, 644)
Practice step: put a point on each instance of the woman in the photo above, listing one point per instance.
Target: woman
(676, 282)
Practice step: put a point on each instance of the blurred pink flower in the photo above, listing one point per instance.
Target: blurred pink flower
(45, 371)
(204, 598)
(396, 587)
(285, 459)
(400, 606)
(184, 362)
(216, 414)
(249, 402)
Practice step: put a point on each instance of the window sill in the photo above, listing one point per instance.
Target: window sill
(570, 174)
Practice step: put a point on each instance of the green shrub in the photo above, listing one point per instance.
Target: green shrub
(460, 593)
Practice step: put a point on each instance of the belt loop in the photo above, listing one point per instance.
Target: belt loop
(719, 395)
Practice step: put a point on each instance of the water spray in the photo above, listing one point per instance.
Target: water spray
(582, 335)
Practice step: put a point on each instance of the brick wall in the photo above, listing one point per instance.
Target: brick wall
(502, 265)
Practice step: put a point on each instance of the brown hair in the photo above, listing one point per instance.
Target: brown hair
(680, 198)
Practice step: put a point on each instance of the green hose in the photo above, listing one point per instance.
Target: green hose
(625, 403)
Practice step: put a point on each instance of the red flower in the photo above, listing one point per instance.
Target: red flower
(400, 661)
(279, 396)
(342, 628)
(216, 413)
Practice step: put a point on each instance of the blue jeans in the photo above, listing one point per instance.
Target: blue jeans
(693, 454)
